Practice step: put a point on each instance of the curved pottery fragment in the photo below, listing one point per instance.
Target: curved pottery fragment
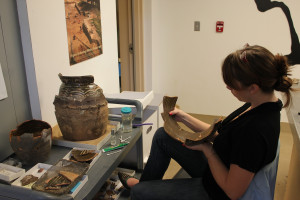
(83, 155)
(80, 108)
(175, 131)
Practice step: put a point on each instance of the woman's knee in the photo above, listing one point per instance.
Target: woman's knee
(148, 190)
(138, 192)
(160, 134)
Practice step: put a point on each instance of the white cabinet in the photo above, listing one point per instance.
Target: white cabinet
(157, 104)
(150, 116)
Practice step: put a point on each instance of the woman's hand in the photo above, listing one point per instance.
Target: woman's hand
(233, 181)
(206, 148)
(178, 114)
(193, 123)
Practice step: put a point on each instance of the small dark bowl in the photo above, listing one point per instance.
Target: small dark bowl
(32, 141)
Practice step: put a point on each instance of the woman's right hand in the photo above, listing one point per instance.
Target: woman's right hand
(193, 123)
(178, 114)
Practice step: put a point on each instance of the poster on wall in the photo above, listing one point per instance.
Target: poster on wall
(84, 30)
(3, 92)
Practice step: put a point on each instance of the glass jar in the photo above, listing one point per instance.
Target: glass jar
(113, 138)
(126, 119)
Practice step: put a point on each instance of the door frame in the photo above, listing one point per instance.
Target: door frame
(138, 41)
(131, 44)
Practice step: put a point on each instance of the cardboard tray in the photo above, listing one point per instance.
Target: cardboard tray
(35, 172)
(58, 139)
(9, 173)
(69, 155)
(62, 165)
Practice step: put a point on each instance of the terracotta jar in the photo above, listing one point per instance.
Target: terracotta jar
(80, 108)
(32, 141)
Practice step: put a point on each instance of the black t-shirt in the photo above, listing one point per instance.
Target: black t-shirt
(250, 141)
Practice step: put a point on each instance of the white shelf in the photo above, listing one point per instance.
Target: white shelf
(144, 97)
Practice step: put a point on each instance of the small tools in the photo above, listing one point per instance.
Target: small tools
(124, 140)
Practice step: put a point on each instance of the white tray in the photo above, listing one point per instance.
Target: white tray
(144, 97)
(68, 156)
(9, 173)
(33, 171)
(78, 186)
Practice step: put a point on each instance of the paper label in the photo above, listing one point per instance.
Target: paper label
(3, 92)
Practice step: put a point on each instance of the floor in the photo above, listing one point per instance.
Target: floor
(286, 143)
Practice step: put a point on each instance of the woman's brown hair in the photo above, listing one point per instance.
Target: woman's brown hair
(257, 65)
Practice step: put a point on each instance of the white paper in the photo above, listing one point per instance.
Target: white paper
(3, 92)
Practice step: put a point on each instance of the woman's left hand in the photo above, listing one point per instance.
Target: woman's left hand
(206, 148)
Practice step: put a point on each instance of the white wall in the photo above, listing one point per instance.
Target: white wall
(46, 29)
(187, 64)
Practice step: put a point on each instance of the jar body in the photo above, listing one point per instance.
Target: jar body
(80, 108)
(126, 120)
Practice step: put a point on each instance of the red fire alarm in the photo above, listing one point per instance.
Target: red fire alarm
(219, 26)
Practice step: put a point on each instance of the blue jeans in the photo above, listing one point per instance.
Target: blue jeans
(152, 186)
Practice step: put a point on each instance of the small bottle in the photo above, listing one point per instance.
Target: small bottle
(126, 119)
(113, 138)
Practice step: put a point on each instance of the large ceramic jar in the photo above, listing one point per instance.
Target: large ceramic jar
(31, 141)
(80, 108)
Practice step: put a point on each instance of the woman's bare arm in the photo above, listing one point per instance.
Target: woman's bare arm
(234, 181)
(188, 120)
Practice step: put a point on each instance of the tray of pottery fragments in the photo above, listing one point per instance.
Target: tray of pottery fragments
(82, 155)
(61, 177)
(9, 173)
(32, 175)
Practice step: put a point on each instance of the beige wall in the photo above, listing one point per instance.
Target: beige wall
(187, 63)
(46, 32)
(178, 61)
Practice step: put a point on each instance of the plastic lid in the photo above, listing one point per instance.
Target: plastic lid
(126, 110)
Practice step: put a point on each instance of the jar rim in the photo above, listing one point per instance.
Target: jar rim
(87, 79)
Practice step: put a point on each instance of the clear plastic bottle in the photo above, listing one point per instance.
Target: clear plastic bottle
(126, 119)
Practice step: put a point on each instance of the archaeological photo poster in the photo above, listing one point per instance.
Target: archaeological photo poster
(83, 20)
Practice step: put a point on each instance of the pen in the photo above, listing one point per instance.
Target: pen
(120, 146)
(137, 125)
